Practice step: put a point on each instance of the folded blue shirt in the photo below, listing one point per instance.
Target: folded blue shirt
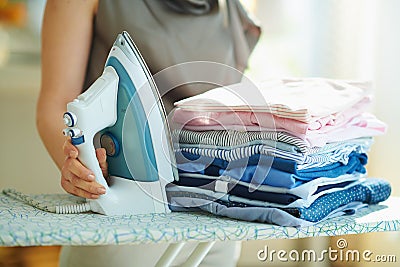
(305, 161)
(261, 169)
(370, 191)
(356, 162)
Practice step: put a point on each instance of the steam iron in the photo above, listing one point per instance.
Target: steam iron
(122, 112)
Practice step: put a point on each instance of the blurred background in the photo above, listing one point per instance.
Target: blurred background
(337, 39)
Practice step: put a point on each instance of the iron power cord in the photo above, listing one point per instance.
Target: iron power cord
(60, 209)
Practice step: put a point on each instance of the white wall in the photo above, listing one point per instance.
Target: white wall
(341, 39)
(338, 39)
(24, 163)
(384, 157)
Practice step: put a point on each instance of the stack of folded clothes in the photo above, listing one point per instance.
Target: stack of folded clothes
(293, 153)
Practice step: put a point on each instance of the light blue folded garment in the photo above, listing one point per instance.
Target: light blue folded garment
(260, 169)
(329, 170)
(304, 191)
(264, 197)
(258, 214)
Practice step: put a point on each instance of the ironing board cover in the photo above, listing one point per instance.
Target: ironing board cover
(23, 225)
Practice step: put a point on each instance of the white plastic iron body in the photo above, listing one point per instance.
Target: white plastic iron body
(122, 112)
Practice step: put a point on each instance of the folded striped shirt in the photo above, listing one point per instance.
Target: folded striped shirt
(303, 161)
(233, 139)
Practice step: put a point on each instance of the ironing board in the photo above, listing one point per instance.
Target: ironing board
(23, 225)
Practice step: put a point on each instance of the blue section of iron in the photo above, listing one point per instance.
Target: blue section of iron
(139, 145)
(77, 140)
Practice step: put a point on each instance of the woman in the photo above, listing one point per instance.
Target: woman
(76, 38)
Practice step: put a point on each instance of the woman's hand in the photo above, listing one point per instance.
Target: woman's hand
(78, 180)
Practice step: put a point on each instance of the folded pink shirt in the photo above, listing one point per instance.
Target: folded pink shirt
(264, 121)
(363, 125)
(294, 98)
(239, 120)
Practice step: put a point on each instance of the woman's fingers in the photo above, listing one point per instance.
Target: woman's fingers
(77, 186)
(76, 167)
(69, 149)
(102, 158)
(78, 180)
(69, 187)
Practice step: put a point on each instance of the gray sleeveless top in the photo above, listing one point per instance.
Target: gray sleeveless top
(166, 37)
